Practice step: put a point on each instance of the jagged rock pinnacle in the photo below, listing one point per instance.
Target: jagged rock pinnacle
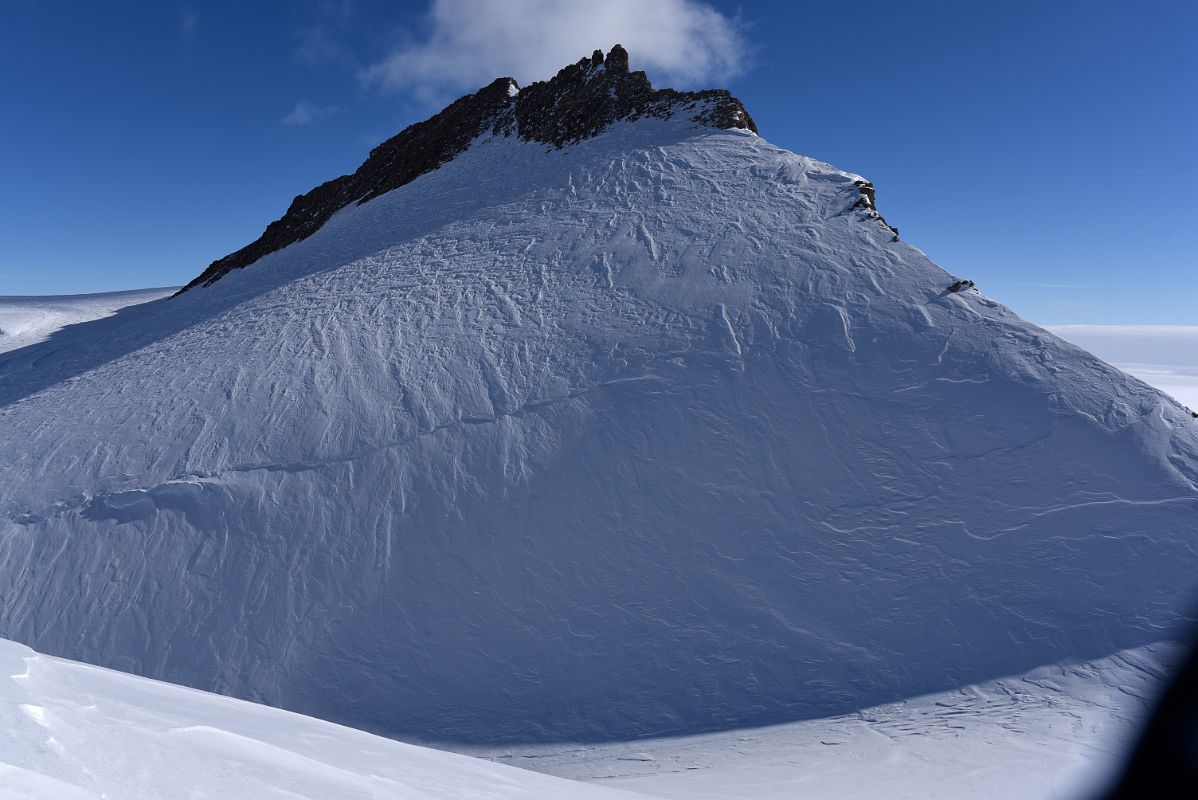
(578, 103)
(617, 59)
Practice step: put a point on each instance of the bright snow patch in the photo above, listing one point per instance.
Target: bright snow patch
(28, 320)
(69, 730)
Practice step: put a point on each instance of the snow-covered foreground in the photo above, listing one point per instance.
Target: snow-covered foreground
(1056, 732)
(28, 320)
(1164, 356)
(70, 731)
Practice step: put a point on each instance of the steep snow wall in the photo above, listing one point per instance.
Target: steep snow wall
(659, 432)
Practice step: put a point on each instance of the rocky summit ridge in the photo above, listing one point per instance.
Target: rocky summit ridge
(578, 103)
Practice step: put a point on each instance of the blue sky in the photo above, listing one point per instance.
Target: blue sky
(1044, 149)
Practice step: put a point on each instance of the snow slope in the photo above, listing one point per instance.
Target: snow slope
(659, 433)
(72, 731)
(75, 731)
(1061, 731)
(1164, 356)
(28, 320)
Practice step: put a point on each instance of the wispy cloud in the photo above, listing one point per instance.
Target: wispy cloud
(1054, 285)
(306, 113)
(319, 46)
(324, 32)
(1190, 331)
(189, 26)
(470, 42)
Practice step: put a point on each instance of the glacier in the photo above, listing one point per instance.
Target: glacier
(657, 433)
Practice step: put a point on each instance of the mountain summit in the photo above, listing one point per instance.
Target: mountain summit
(656, 431)
(580, 102)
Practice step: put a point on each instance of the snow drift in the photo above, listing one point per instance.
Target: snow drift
(659, 431)
(77, 732)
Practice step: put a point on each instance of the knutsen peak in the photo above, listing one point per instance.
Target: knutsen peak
(581, 412)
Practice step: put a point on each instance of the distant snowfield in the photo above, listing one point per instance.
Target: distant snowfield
(70, 731)
(29, 320)
(1164, 356)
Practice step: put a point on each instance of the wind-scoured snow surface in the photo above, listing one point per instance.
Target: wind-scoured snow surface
(29, 320)
(658, 433)
(76, 732)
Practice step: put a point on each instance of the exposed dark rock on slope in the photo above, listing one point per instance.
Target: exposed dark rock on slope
(580, 102)
(868, 201)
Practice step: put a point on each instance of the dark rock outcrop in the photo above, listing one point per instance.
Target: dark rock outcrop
(868, 201)
(580, 102)
(584, 99)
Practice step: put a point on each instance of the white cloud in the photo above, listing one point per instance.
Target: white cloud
(471, 42)
(305, 113)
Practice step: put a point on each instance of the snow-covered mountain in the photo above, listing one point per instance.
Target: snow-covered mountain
(658, 430)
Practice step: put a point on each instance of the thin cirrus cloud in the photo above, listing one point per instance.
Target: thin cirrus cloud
(468, 43)
(306, 113)
(189, 26)
(318, 46)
